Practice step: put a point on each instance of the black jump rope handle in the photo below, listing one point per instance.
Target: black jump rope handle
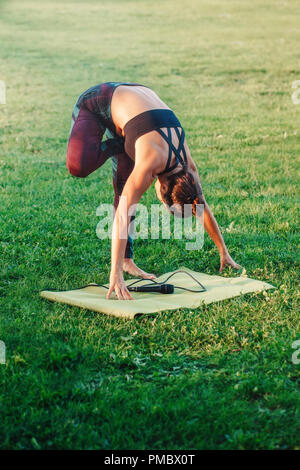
(162, 289)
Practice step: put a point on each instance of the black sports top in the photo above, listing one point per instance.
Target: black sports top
(151, 120)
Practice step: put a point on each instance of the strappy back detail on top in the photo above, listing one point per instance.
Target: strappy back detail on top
(156, 119)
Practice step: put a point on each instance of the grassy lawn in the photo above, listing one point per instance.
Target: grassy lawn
(218, 377)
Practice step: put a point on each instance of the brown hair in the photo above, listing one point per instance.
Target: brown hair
(181, 188)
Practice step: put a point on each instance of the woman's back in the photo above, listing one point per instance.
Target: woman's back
(129, 101)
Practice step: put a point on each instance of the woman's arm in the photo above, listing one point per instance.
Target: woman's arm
(138, 182)
(212, 228)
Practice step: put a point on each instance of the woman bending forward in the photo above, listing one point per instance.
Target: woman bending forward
(146, 141)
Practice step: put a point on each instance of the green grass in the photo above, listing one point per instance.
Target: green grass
(218, 377)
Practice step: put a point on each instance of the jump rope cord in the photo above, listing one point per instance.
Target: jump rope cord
(203, 289)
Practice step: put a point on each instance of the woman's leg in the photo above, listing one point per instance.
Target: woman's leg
(86, 152)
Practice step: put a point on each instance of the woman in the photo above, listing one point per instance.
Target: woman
(146, 141)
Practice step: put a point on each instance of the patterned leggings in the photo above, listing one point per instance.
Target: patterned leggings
(87, 151)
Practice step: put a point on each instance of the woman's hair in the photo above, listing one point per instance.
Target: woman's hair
(180, 189)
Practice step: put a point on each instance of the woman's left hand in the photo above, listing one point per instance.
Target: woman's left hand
(226, 260)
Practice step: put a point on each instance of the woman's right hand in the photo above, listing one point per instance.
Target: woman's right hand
(117, 285)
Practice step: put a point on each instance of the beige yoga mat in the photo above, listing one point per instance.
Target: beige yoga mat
(218, 288)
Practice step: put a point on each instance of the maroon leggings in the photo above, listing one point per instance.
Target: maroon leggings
(86, 152)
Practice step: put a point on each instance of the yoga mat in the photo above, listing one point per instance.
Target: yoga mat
(218, 288)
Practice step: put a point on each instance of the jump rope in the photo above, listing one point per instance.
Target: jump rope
(154, 286)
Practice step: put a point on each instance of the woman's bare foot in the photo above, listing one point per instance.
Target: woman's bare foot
(131, 268)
